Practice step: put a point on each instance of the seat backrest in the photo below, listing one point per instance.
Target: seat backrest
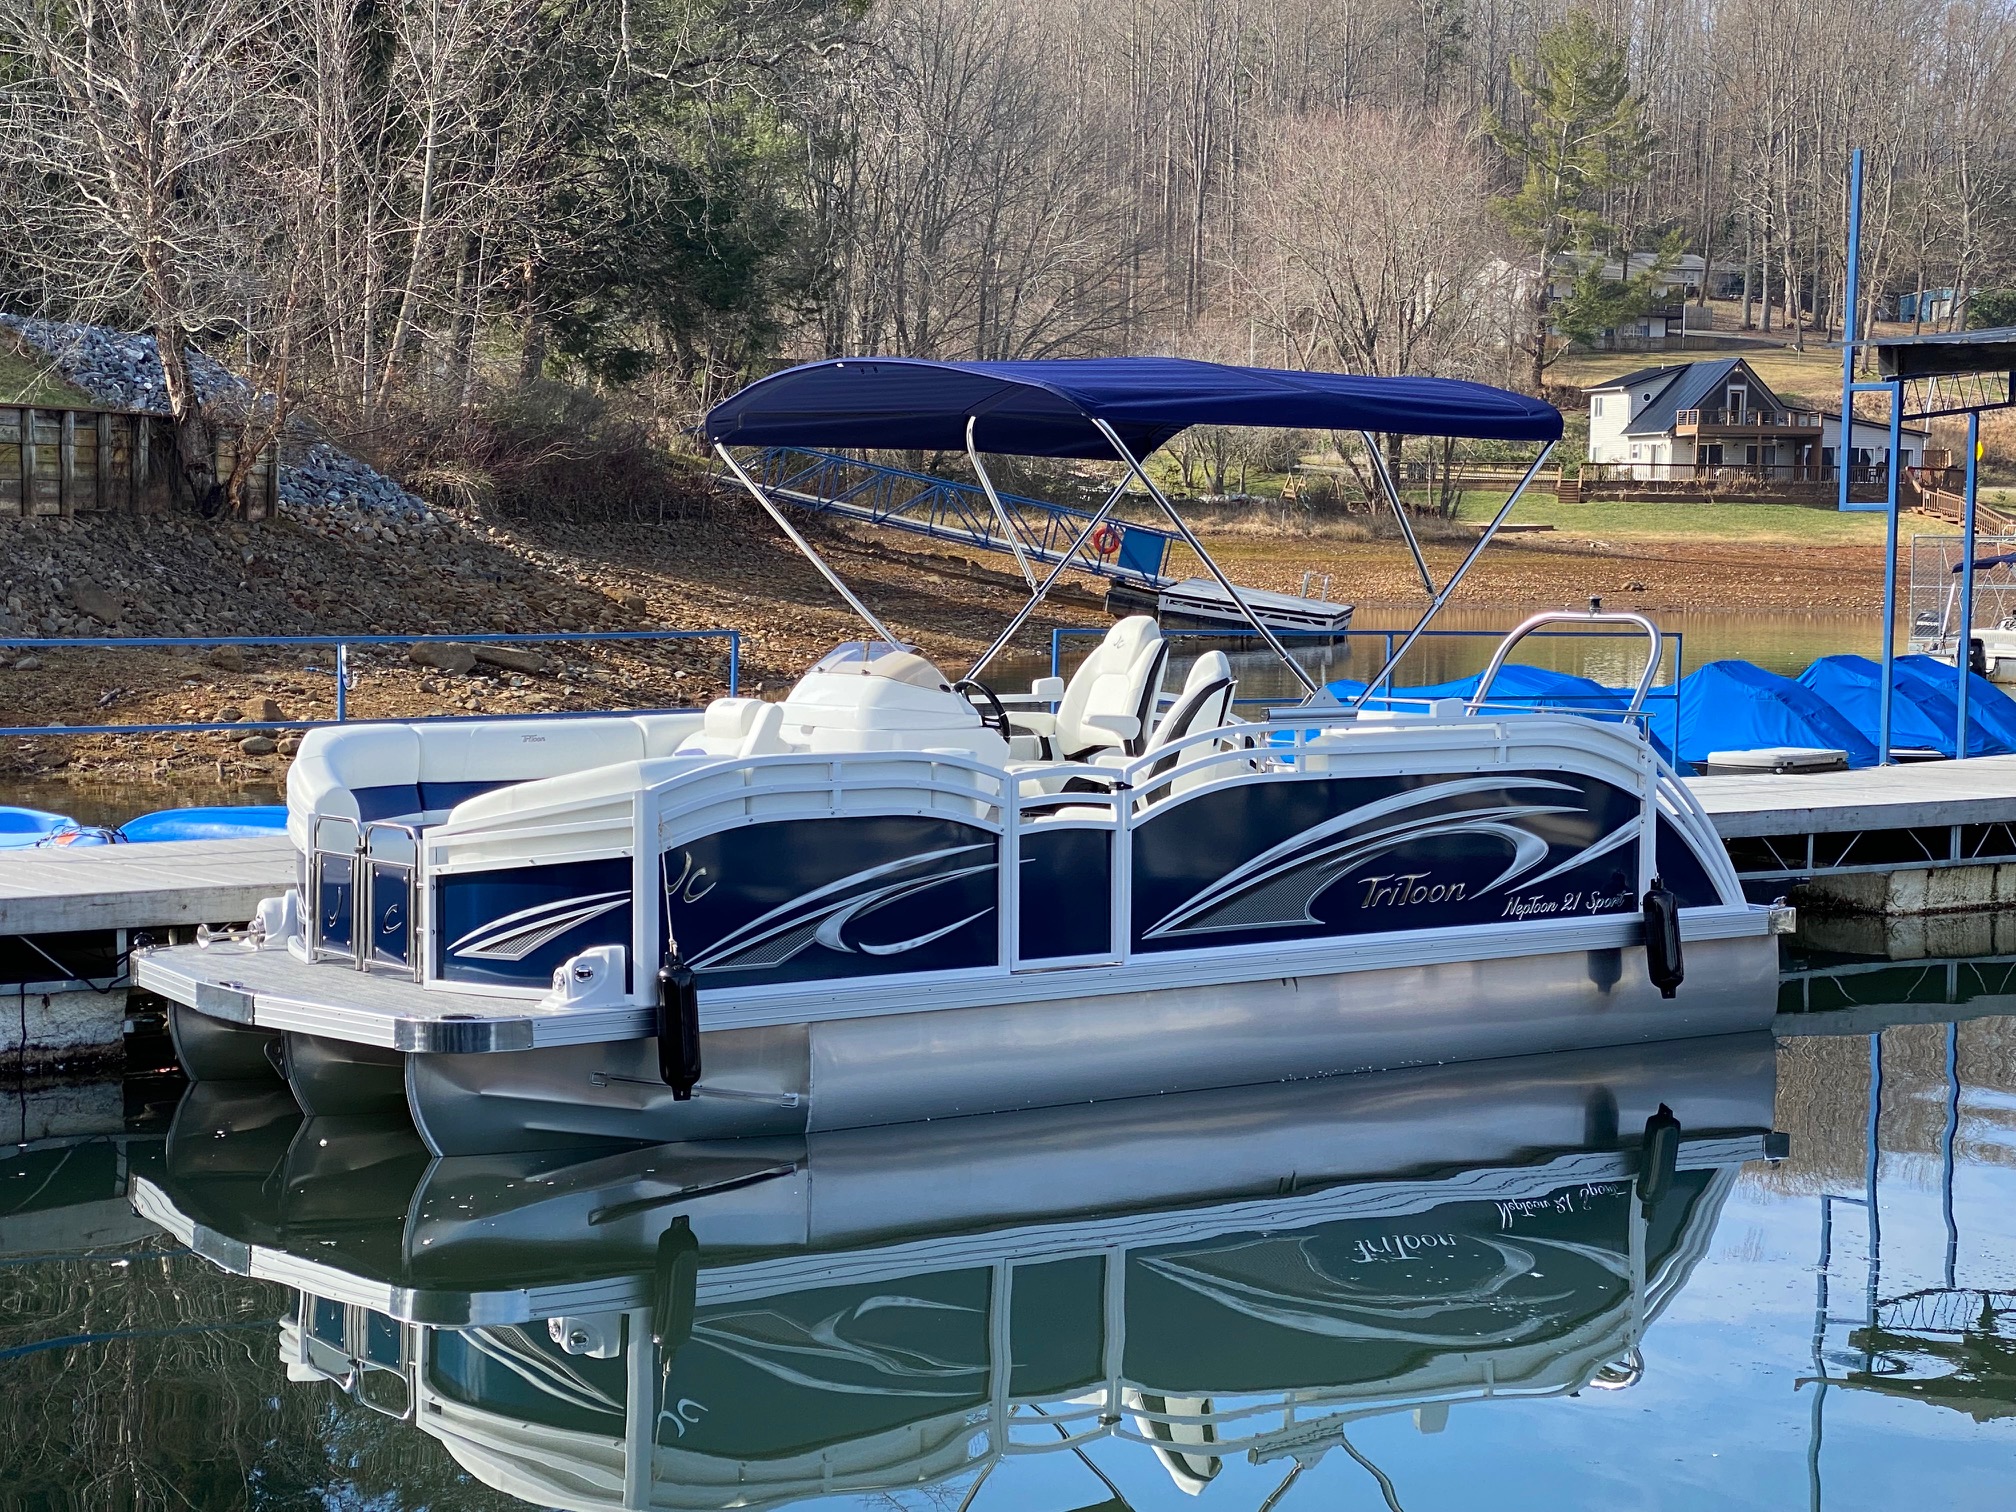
(1203, 704)
(738, 727)
(1122, 676)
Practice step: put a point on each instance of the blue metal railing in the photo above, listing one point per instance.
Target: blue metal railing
(345, 679)
(1666, 693)
(949, 510)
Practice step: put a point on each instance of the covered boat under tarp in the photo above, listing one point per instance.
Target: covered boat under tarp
(1520, 685)
(1734, 706)
(1517, 683)
(1924, 713)
(1853, 688)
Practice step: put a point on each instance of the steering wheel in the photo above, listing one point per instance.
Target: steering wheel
(993, 716)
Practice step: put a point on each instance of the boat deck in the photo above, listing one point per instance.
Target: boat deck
(270, 989)
(51, 891)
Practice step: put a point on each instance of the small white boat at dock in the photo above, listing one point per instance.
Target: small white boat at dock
(898, 895)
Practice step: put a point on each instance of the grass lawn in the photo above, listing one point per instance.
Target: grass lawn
(29, 380)
(1677, 521)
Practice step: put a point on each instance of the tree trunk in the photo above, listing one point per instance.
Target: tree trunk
(195, 435)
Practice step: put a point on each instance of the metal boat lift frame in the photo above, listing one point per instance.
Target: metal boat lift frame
(1923, 378)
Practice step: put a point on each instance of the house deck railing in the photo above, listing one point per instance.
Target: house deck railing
(1689, 421)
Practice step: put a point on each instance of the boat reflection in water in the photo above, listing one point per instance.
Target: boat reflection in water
(1219, 1274)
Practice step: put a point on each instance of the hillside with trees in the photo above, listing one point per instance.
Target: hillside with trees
(473, 236)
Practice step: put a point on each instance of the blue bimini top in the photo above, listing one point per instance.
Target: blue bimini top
(1047, 408)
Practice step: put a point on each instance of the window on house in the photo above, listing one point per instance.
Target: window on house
(1738, 399)
(1596, 408)
(1634, 454)
(1711, 454)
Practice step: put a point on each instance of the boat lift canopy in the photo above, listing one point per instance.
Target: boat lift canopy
(1119, 407)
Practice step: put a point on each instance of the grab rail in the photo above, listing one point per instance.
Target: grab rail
(1593, 615)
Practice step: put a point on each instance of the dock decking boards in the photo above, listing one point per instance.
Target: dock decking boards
(1980, 790)
(137, 886)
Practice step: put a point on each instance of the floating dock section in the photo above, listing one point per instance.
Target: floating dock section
(68, 919)
(1925, 837)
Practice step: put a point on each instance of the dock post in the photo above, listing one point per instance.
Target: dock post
(1896, 387)
(1963, 652)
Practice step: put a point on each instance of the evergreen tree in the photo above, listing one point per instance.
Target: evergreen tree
(1585, 134)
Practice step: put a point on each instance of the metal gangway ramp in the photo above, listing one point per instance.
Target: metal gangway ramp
(947, 509)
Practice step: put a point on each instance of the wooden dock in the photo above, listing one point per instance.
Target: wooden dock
(1980, 790)
(187, 882)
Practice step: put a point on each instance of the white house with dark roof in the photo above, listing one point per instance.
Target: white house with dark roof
(1693, 419)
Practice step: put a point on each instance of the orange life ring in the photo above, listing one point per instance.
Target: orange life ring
(1106, 540)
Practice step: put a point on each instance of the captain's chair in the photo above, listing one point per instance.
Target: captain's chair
(1109, 700)
(1204, 704)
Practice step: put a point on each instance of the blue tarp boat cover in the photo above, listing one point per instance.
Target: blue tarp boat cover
(1733, 706)
(1516, 684)
(1046, 408)
(21, 828)
(1925, 712)
(228, 822)
(1853, 686)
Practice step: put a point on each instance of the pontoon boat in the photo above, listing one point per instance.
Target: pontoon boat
(897, 894)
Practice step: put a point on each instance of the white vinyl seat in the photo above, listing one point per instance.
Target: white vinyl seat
(1204, 704)
(738, 727)
(1110, 699)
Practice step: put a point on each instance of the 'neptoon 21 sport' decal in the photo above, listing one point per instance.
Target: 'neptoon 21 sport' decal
(1304, 859)
(861, 895)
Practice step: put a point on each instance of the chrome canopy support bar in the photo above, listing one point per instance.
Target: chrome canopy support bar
(1385, 476)
(1000, 510)
(771, 509)
(1455, 578)
(1183, 529)
(1042, 588)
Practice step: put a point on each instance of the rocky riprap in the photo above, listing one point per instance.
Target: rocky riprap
(122, 370)
(320, 477)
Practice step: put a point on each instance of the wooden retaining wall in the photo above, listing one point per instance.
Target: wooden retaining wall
(63, 461)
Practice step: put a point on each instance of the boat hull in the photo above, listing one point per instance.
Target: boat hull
(829, 1074)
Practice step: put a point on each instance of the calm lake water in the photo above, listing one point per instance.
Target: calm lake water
(1426, 1290)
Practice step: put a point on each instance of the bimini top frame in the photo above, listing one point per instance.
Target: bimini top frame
(1123, 407)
